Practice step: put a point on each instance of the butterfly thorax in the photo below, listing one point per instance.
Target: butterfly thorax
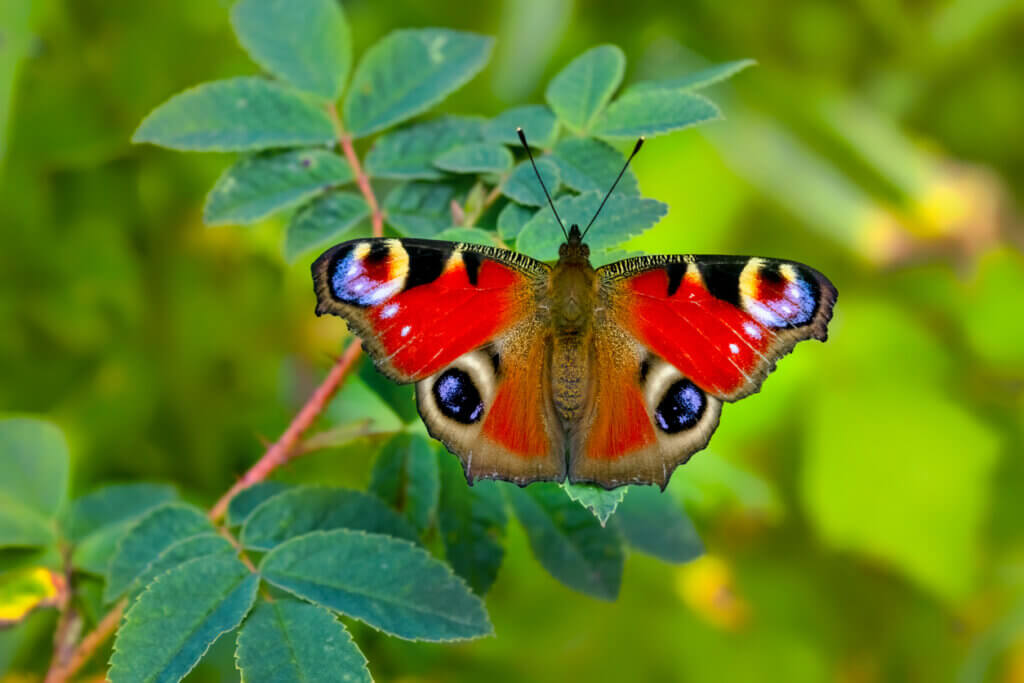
(572, 293)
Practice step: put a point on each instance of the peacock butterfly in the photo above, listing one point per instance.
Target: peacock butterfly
(532, 372)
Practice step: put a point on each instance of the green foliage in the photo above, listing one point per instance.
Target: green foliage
(250, 498)
(696, 79)
(98, 521)
(236, 115)
(34, 460)
(568, 541)
(622, 216)
(472, 523)
(476, 157)
(512, 219)
(306, 44)
(287, 640)
(324, 221)
(408, 72)
(189, 548)
(537, 121)
(651, 522)
(178, 618)
(348, 571)
(654, 113)
(589, 165)
(582, 89)
(420, 209)
(409, 153)
(601, 503)
(405, 476)
(156, 531)
(522, 185)
(303, 509)
(258, 186)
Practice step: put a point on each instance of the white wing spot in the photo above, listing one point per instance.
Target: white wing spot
(389, 311)
(405, 331)
(752, 330)
(733, 348)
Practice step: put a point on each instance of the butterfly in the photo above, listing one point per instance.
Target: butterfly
(535, 372)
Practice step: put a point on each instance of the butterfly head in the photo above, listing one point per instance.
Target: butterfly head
(573, 249)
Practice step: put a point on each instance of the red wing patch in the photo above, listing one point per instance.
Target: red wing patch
(516, 419)
(418, 304)
(723, 321)
(621, 424)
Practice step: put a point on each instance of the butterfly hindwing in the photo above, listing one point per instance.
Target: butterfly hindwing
(460, 320)
(722, 321)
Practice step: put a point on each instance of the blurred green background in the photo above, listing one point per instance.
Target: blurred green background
(862, 514)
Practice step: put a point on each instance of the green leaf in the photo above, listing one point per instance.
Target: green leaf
(388, 583)
(405, 477)
(236, 115)
(622, 217)
(652, 522)
(408, 72)
(467, 235)
(146, 539)
(522, 185)
(472, 523)
(99, 520)
(23, 591)
(180, 552)
(654, 113)
(117, 503)
(598, 501)
(537, 121)
(248, 499)
(696, 80)
(324, 221)
(34, 462)
(305, 43)
(409, 153)
(172, 625)
(589, 165)
(302, 509)
(582, 89)
(475, 157)
(421, 209)
(260, 185)
(512, 219)
(568, 541)
(287, 640)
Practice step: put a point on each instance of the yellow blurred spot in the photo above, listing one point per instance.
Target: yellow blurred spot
(23, 590)
(881, 237)
(707, 587)
(1014, 672)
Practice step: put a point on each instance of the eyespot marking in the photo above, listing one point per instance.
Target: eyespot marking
(778, 295)
(457, 397)
(680, 408)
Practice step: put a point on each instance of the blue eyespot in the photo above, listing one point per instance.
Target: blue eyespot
(680, 408)
(457, 397)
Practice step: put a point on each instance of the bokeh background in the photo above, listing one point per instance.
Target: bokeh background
(862, 514)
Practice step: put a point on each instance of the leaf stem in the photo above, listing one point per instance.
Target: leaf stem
(281, 451)
(88, 645)
(363, 180)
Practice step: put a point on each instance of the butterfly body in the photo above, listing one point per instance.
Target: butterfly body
(530, 372)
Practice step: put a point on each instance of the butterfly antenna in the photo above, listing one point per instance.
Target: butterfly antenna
(522, 139)
(639, 144)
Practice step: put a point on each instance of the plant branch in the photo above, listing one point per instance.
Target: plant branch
(345, 140)
(282, 450)
(279, 453)
(88, 645)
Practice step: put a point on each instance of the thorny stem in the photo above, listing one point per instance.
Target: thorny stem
(362, 180)
(279, 453)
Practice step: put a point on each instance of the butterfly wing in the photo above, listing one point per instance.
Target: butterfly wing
(461, 321)
(678, 335)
